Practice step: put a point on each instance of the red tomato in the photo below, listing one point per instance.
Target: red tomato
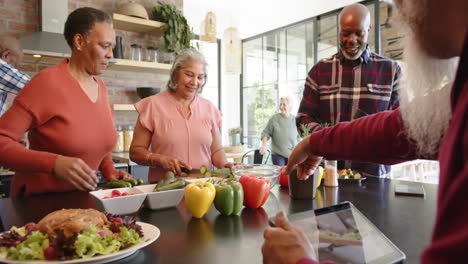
(284, 180)
(116, 193)
(256, 190)
(49, 253)
(125, 194)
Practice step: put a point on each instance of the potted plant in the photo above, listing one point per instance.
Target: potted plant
(177, 34)
(234, 136)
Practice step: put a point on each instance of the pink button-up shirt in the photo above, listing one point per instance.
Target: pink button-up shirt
(173, 135)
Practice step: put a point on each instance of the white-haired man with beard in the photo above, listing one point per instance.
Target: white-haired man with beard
(432, 122)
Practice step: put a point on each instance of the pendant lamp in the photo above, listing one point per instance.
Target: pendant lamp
(233, 50)
(208, 29)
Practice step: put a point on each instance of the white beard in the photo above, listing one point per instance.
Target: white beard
(425, 96)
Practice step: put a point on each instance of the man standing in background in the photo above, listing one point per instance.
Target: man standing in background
(12, 80)
(352, 83)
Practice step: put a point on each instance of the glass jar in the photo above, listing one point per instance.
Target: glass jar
(119, 145)
(331, 173)
(165, 57)
(135, 53)
(128, 137)
(151, 54)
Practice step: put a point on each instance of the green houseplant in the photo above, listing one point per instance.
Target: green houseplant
(177, 34)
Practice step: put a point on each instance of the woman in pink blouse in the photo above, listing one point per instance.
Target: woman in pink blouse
(178, 128)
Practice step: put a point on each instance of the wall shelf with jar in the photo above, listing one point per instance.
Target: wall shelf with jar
(136, 24)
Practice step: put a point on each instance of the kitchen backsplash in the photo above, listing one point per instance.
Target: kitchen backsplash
(23, 17)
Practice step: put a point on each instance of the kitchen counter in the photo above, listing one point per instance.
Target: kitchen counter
(406, 221)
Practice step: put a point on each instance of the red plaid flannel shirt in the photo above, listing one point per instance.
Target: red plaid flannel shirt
(337, 91)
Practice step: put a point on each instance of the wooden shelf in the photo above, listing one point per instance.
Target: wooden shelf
(136, 24)
(139, 66)
(123, 107)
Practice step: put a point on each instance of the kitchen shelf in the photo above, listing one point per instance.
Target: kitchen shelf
(123, 107)
(136, 24)
(139, 66)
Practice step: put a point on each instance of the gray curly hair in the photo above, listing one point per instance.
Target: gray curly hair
(181, 61)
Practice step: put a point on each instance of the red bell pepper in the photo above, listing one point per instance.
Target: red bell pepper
(284, 179)
(256, 190)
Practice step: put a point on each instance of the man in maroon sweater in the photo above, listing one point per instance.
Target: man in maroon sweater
(432, 122)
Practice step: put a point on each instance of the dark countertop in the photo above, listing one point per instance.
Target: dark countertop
(405, 220)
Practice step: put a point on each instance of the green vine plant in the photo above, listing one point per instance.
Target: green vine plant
(177, 33)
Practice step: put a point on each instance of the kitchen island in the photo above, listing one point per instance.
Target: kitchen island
(405, 220)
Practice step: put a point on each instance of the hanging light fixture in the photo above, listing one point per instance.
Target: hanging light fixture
(208, 30)
(233, 50)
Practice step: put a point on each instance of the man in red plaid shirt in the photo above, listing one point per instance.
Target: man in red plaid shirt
(352, 83)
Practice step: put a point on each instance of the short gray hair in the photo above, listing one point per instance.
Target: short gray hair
(181, 61)
(287, 99)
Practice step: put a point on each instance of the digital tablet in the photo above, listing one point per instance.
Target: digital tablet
(412, 189)
(341, 233)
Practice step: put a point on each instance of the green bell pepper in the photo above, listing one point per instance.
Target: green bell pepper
(229, 197)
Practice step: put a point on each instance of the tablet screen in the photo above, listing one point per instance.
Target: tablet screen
(344, 235)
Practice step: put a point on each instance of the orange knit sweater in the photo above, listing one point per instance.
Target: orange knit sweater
(61, 120)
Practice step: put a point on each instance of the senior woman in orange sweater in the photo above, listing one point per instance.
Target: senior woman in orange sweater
(66, 111)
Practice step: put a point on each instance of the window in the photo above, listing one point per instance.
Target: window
(276, 63)
(211, 91)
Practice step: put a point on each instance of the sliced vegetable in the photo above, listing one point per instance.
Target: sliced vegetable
(203, 169)
(169, 175)
(177, 184)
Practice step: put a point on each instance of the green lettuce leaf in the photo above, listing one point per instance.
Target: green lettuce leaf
(30, 249)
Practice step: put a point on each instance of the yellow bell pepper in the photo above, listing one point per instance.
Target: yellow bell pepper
(319, 176)
(198, 197)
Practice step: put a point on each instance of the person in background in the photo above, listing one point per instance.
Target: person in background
(179, 128)
(352, 83)
(432, 122)
(12, 80)
(281, 128)
(66, 111)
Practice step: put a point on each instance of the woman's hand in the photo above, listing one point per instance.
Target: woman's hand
(262, 149)
(285, 243)
(118, 175)
(302, 159)
(75, 172)
(173, 164)
(230, 165)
